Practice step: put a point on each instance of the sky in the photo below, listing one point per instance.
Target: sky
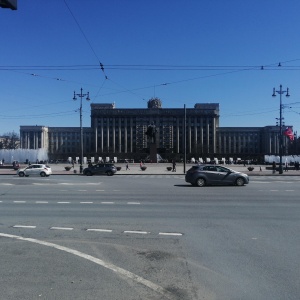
(126, 52)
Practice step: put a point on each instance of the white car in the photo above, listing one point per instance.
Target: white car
(35, 170)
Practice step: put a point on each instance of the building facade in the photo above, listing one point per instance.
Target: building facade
(122, 133)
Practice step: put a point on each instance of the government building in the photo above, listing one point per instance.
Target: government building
(121, 133)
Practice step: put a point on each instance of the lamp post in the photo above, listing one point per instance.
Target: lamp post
(280, 92)
(81, 95)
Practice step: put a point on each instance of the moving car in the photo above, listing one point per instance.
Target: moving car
(201, 175)
(35, 170)
(98, 169)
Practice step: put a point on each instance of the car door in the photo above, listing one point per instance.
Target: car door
(211, 174)
(98, 169)
(224, 175)
(36, 169)
(29, 171)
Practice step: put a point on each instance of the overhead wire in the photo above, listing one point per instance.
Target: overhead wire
(84, 35)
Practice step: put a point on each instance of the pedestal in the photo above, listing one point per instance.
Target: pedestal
(153, 153)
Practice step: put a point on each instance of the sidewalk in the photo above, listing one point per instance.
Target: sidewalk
(157, 169)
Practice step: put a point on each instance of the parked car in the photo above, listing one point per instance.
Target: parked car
(35, 170)
(16, 165)
(100, 169)
(201, 175)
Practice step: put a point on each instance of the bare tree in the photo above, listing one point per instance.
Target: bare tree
(9, 140)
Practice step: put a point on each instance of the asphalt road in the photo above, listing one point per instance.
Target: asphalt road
(148, 237)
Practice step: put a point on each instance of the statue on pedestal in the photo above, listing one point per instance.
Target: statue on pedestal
(151, 132)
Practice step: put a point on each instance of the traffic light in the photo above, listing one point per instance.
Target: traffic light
(12, 4)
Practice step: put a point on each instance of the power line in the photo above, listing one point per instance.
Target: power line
(90, 45)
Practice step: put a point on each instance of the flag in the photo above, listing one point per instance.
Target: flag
(289, 133)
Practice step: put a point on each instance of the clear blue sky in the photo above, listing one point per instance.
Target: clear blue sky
(183, 52)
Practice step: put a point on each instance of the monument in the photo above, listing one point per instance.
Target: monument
(151, 133)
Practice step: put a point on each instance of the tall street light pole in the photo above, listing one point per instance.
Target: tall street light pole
(280, 92)
(81, 95)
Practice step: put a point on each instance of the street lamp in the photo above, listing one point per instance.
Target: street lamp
(280, 92)
(81, 95)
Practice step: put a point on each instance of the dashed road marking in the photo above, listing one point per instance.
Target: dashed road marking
(99, 230)
(105, 230)
(136, 231)
(63, 202)
(61, 228)
(19, 201)
(171, 233)
(133, 203)
(41, 202)
(24, 226)
(86, 202)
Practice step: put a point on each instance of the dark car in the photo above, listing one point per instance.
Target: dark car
(201, 175)
(16, 165)
(100, 169)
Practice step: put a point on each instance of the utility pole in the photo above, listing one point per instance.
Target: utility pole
(280, 92)
(81, 95)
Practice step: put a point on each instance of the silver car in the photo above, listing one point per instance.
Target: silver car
(201, 175)
(35, 170)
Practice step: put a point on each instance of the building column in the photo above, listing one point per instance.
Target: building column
(114, 135)
(189, 136)
(120, 135)
(125, 134)
(207, 135)
(131, 135)
(177, 136)
(101, 135)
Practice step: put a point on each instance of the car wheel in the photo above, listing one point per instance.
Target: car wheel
(21, 174)
(88, 173)
(240, 182)
(109, 173)
(43, 174)
(200, 182)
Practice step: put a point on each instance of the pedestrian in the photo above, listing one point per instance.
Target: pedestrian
(127, 167)
(286, 166)
(141, 164)
(274, 167)
(174, 165)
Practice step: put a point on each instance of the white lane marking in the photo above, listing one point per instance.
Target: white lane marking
(61, 228)
(63, 202)
(99, 230)
(133, 203)
(107, 202)
(120, 271)
(7, 184)
(136, 231)
(0, 201)
(41, 202)
(86, 202)
(23, 226)
(66, 183)
(171, 233)
(19, 201)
